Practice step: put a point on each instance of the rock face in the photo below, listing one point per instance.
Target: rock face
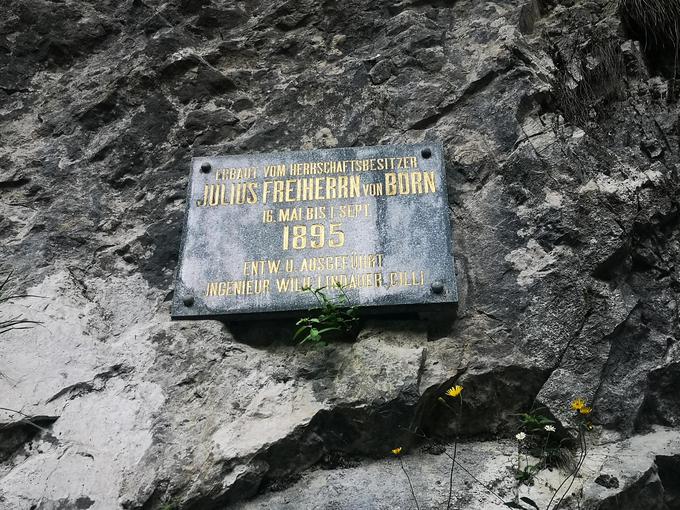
(560, 126)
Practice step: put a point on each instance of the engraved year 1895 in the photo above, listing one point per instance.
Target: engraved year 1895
(299, 237)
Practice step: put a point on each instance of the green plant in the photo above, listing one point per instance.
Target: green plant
(527, 473)
(558, 454)
(542, 443)
(535, 429)
(335, 314)
(534, 422)
(582, 416)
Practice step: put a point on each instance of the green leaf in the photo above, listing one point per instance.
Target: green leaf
(314, 333)
(524, 475)
(322, 331)
(299, 332)
(530, 501)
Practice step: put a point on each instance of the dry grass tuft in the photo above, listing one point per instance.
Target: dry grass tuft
(655, 22)
(587, 81)
(16, 322)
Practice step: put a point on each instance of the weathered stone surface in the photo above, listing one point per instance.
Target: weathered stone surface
(383, 484)
(559, 127)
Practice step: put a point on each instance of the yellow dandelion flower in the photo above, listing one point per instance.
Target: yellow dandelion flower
(397, 451)
(585, 410)
(578, 404)
(454, 391)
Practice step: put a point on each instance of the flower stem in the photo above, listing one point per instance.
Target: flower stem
(574, 473)
(519, 470)
(453, 464)
(475, 478)
(413, 494)
(584, 450)
(544, 458)
(453, 460)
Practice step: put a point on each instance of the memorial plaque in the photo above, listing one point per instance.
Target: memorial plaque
(261, 228)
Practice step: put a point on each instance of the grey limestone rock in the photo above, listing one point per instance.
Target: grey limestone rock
(560, 131)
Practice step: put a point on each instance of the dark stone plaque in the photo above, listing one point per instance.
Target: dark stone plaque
(260, 228)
